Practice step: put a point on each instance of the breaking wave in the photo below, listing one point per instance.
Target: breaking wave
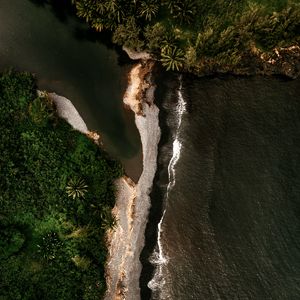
(159, 258)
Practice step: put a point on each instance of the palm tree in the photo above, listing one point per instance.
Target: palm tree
(76, 188)
(172, 58)
(49, 245)
(100, 7)
(98, 24)
(84, 11)
(170, 4)
(148, 10)
(108, 219)
(114, 10)
(184, 11)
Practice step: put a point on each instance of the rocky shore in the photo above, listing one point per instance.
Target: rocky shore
(282, 61)
(279, 61)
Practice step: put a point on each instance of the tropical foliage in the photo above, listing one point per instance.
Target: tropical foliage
(76, 188)
(172, 58)
(208, 33)
(55, 202)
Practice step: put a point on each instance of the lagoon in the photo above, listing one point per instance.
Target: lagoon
(67, 59)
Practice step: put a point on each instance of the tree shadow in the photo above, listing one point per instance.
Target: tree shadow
(62, 9)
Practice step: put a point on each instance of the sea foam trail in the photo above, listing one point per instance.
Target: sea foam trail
(159, 259)
(133, 202)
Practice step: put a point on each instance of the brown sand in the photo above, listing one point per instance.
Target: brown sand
(133, 201)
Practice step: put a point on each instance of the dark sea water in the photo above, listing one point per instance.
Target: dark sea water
(229, 178)
(228, 183)
(67, 58)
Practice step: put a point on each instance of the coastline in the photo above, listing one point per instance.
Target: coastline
(125, 243)
(67, 111)
(57, 162)
(278, 62)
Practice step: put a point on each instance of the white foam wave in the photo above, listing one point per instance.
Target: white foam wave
(159, 258)
(171, 167)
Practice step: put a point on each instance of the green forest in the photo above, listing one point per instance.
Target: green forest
(56, 197)
(197, 35)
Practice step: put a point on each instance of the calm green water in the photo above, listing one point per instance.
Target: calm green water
(58, 51)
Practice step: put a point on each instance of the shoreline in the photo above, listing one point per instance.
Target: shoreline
(277, 62)
(66, 110)
(280, 61)
(126, 242)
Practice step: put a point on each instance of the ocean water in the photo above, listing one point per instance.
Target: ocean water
(224, 222)
(229, 187)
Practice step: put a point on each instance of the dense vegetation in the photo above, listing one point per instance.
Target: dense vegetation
(56, 195)
(197, 34)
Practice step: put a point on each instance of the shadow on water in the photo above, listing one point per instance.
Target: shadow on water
(63, 10)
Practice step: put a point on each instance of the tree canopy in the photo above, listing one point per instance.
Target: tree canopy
(218, 31)
(55, 201)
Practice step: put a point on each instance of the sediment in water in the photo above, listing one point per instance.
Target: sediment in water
(133, 201)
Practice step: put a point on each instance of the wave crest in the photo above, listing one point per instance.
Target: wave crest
(158, 258)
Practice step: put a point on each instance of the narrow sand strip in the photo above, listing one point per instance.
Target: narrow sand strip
(67, 111)
(134, 55)
(131, 97)
(133, 202)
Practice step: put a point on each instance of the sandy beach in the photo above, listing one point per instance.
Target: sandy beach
(126, 241)
(133, 202)
(67, 111)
